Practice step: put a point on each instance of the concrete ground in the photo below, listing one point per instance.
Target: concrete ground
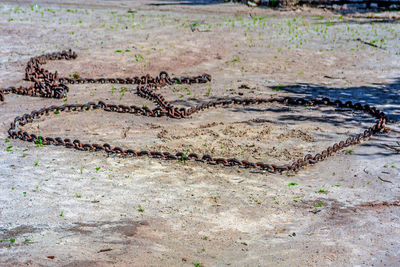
(61, 207)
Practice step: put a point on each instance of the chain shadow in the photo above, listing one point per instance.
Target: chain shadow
(292, 115)
(385, 97)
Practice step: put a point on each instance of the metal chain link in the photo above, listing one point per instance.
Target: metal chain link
(46, 84)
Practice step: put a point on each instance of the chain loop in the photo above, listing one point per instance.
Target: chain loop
(46, 84)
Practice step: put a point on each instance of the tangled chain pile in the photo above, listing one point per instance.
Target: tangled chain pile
(46, 84)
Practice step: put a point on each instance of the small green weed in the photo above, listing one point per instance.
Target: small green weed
(39, 142)
(138, 58)
(183, 157)
(236, 59)
(208, 90)
(296, 199)
(75, 75)
(277, 88)
(317, 205)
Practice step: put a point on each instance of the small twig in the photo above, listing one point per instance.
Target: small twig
(335, 78)
(104, 250)
(383, 180)
(370, 44)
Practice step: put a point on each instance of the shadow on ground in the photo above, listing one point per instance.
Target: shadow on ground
(186, 2)
(385, 4)
(363, 21)
(384, 96)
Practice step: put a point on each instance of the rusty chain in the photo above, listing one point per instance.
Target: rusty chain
(46, 84)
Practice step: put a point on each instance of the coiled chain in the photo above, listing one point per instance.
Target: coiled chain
(46, 84)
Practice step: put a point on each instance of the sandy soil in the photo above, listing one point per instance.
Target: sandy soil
(86, 209)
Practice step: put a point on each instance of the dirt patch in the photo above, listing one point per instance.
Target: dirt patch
(9, 235)
(378, 206)
(236, 139)
(124, 227)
